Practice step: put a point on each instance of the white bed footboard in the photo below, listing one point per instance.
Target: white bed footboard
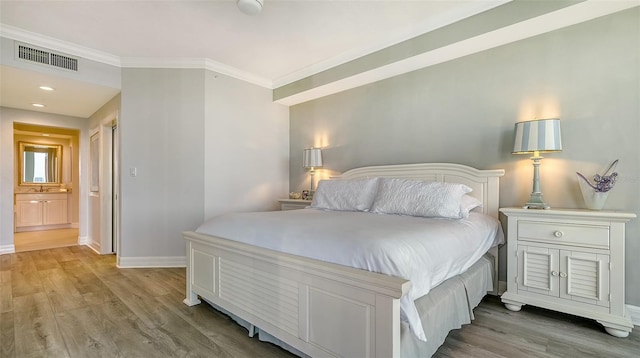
(319, 308)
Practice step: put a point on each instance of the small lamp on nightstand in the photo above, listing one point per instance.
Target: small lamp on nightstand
(312, 158)
(537, 136)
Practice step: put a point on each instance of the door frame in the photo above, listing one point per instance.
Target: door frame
(108, 189)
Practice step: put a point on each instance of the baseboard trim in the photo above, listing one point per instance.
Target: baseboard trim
(144, 262)
(7, 249)
(634, 312)
(502, 287)
(83, 240)
(95, 246)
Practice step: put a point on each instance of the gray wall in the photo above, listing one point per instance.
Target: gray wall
(203, 144)
(161, 131)
(246, 159)
(463, 111)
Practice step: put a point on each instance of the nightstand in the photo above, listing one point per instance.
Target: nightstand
(293, 204)
(570, 261)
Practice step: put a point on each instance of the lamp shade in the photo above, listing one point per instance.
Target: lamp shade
(312, 157)
(542, 135)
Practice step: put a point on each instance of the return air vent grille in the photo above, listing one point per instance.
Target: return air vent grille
(45, 57)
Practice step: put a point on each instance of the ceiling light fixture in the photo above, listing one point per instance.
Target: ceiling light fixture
(250, 7)
(39, 105)
(46, 88)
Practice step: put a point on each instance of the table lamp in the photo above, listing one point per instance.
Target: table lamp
(312, 158)
(537, 136)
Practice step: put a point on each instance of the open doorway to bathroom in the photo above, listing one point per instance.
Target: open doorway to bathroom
(46, 187)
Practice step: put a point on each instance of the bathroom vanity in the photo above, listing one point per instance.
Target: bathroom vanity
(41, 199)
(39, 211)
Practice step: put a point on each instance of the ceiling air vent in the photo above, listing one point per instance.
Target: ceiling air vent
(46, 57)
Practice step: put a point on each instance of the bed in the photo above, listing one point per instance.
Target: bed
(318, 308)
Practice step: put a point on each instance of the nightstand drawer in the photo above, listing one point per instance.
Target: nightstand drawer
(564, 234)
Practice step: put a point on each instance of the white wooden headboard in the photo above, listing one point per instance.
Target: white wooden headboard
(485, 183)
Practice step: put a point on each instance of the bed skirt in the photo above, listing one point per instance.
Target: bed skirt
(448, 306)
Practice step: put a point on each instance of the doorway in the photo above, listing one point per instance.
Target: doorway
(46, 206)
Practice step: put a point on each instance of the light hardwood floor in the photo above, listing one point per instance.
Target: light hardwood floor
(71, 302)
(44, 239)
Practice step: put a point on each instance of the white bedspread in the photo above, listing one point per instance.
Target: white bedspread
(422, 250)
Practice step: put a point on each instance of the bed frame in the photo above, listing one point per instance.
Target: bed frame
(319, 308)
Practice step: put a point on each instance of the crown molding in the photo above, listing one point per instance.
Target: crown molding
(565, 17)
(471, 9)
(196, 63)
(568, 16)
(51, 43)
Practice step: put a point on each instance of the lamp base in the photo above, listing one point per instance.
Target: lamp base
(536, 202)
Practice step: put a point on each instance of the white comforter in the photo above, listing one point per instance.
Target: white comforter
(422, 250)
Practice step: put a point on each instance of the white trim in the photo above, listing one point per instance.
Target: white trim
(634, 312)
(51, 43)
(502, 287)
(197, 63)
(152, 261)
(565, 17)
(90, 244)
(443, 20)
(83, 240)
(7, 249)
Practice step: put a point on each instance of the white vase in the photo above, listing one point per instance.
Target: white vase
(594, 200)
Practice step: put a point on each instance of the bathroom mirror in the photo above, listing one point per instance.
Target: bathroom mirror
(40, 164)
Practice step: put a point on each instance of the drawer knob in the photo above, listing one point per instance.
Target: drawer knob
(558, 233)
(563, 274)
(554, 273)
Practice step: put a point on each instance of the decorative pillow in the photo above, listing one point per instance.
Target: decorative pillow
(468, 203)
(419, 198)
(345, 195)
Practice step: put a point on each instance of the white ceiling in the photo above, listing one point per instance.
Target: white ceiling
(289, 40)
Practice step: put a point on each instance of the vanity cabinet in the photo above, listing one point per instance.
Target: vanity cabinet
(43, 209)
(570, 261)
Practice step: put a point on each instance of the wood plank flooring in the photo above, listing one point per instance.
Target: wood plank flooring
(71, 302)
(44, 239)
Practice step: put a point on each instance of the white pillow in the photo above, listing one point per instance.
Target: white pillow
(419, 198)
(468, 203)
(345, 195)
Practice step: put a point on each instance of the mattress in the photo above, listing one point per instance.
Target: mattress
(423, 250)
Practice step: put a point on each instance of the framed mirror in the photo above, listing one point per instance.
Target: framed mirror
(40, 164)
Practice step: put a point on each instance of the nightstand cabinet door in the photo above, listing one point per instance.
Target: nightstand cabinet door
(586, 277)
(538, 270)
(573, 275)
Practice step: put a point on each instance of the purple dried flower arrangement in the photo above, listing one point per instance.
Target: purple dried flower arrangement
(604, 182)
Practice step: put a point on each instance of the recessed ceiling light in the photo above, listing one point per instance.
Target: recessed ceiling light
(39, 105)
(46, 88)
